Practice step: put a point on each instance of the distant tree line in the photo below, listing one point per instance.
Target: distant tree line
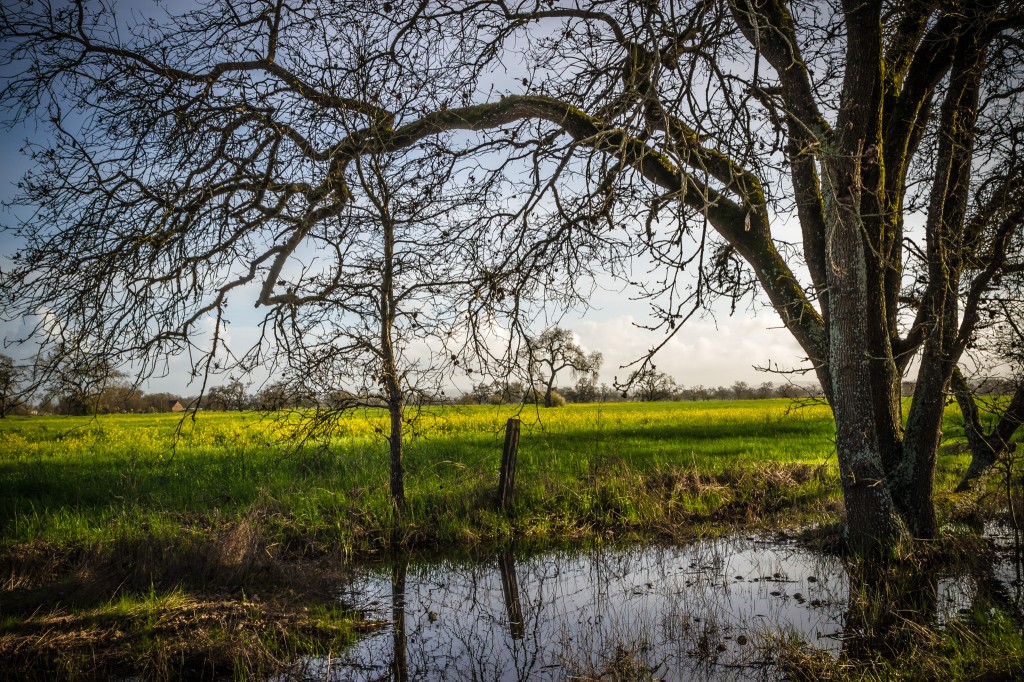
(112, 399)
(86, 387)
(648, 387)
(76, 395)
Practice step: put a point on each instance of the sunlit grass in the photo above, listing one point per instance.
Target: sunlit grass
(624, 467)
(985, 644)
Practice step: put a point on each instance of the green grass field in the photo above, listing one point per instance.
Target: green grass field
(611, 468)
(606, 468)
(133, 543)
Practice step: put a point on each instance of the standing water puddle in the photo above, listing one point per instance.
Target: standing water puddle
(700, 611)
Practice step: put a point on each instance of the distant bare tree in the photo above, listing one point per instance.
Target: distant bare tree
(585, 390)
(483, 393)
(283, 395)
(554, 351)
(79, 382)
(648, 384)
(233, 395)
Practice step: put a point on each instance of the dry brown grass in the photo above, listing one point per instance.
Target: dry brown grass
(180, 607)
(175, 636)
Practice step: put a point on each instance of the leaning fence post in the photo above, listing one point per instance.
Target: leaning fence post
(507, 477)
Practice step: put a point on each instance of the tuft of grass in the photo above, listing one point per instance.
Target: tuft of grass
(624, 663)
(892, 627)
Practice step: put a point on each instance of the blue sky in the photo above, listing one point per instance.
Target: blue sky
(718, 349)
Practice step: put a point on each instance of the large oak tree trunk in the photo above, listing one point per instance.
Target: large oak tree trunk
(861, 374)
(872, 518)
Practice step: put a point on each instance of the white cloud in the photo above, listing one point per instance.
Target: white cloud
(701, 352)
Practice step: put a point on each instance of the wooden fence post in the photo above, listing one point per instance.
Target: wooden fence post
(507, 477)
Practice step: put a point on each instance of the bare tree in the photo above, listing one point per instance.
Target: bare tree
(390, 317)
(233, 395)
(280, 395)
(553, 351)
(216, 142)
(649, 385)
(585, 390)
(80, 382)
(11, 389)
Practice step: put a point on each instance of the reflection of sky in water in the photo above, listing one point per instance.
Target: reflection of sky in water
(956, 594)
(682, 609)
(690, 613)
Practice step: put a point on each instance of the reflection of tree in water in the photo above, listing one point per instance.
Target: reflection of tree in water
(890, 607)
(399, 664)
(674, 609)
(885, 606)
(442, 627)
(694, 612)
(1018, 581)
(1015, 554)
(1001, 581)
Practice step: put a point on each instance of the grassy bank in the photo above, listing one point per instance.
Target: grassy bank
(172, 634)
(124, 523)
